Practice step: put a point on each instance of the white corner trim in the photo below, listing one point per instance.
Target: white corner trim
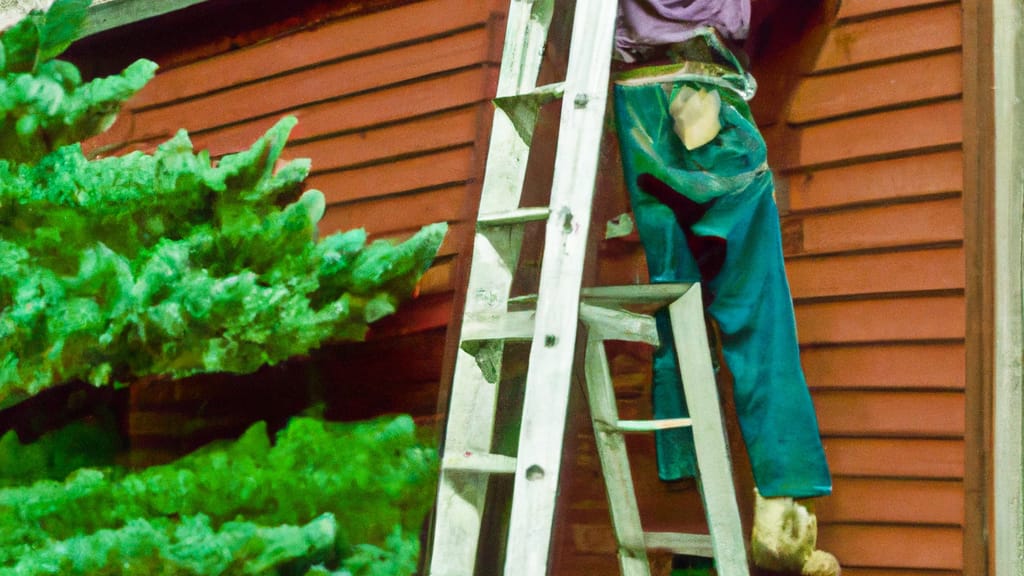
(1008, 402)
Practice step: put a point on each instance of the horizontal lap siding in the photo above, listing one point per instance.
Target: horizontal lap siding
(347, 38)
(877, 414)
(882, 86)
(902, 458)
(389, 107)
(896, 501)
(362, 112)
(903, 365)
(920, 318)
(324, 82)
(849, 9)
(409, 137)
(870, 174)
(877, 134)
(913, 270)
(874, 182)
(888, 36)
(879, 547)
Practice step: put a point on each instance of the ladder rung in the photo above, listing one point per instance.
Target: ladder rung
(606, 323)
(483, 462)
(522, 109)
(683, 544)
(517, 216)
(626, 426)
(517, 325)
(622, 295)
(534, 98)
(634, 294)
(617, 324)
(546, 92)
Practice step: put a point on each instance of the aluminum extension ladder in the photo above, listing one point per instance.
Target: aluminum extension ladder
(551, 327)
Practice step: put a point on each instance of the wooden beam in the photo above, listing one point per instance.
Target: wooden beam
(109, 14)
(103, 14)
(978, 184)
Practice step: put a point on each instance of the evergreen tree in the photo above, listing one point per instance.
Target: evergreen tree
(171, 264)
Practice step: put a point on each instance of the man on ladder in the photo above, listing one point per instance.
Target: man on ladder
(696, 169)
(717, 226)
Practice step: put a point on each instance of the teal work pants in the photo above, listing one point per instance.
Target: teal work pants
(708, 215)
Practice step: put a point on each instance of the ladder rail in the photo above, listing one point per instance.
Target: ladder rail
(611, 449)
(714, 467)
(470, 425)
(553, 348)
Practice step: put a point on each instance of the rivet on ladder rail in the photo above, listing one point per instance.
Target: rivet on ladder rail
(534, 472)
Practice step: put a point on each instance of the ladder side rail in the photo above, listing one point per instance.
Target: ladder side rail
(553, 348)
(472, 400)
(526, 34)
(712, 446)
(611, 448)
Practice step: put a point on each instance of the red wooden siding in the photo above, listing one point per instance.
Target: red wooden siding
(889, 35)
(870, 170)
(916, 176)
(880, 134)
(858, 274)
(859, 8)
(885, 85)
(904, 365)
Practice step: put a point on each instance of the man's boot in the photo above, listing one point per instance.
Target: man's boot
(785, 536)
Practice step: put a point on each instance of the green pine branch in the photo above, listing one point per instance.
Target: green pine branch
(344, 494)
(165, 264)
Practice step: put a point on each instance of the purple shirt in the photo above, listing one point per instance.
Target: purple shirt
(643, 24)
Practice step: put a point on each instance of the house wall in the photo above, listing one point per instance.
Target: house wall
(866, 145)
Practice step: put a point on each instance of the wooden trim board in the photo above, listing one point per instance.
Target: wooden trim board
(978, 185)
(109, 14)
(103, 15)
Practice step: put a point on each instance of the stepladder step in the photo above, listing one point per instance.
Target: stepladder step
(601, 308)
(617, 324)
(640, 426)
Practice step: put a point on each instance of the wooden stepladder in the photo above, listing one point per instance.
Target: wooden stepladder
(551, 327)
(605, 319)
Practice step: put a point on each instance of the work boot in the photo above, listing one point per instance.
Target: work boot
(785, 536)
